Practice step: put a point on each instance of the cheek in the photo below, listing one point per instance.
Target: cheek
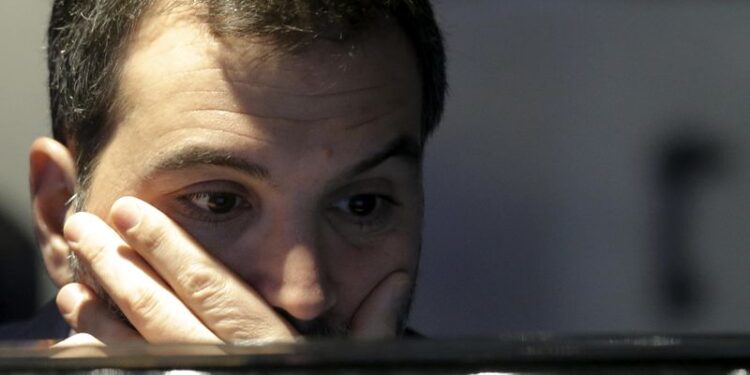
(356, 271)
(260, 256)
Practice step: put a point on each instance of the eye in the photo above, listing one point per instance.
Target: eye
(218, 203)
(214, 206)
(364, 212)
(360, 205)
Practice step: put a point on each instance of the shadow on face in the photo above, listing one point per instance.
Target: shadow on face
(299, 170)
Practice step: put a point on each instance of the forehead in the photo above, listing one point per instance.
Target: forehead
(182, 88)
(173, 54)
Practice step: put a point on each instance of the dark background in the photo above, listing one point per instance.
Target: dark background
(591, 175)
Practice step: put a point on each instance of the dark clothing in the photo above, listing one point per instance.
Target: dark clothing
(17, 272)
(46, 324)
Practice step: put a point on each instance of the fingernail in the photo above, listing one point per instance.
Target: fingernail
(126, 214)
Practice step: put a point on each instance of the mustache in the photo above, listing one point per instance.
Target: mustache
(322, 327)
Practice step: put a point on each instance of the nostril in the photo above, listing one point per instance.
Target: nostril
(298, 324)
(322, 326)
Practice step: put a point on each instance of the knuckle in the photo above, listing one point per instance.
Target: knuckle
(143, 303)
(210, 292)
(242, 329)
(151, 238)
(204, 286)
(92, 251)
(93, 254)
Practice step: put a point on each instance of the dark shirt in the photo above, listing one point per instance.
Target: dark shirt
(46, 324)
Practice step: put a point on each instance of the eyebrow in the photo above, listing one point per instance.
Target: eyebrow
(189, 157)
(404, 147)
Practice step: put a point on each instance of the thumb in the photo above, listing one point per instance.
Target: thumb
(381, 314)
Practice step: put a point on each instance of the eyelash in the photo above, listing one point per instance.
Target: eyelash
(197, 213)
(382, 211)
(373, 222)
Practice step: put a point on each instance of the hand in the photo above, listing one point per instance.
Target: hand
(166, 285)
(171, 290)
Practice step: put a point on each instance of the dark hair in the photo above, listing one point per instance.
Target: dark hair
(86, 37)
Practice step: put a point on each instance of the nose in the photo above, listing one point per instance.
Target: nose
(290, 264)
(302, 288)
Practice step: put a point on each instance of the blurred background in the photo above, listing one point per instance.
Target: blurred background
(592, 174)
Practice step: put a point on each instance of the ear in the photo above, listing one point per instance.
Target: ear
(52, 183)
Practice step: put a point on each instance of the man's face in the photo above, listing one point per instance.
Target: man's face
(299, 171)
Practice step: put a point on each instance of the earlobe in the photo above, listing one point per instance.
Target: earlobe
(52, 183)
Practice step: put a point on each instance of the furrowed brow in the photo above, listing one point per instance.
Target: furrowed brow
(404, 147)
(190, 157)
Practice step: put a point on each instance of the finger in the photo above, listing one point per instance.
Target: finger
(79, 339)
(80, 345)
(85, 312)
(382, 313)
(227, 305)
(132, 284)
